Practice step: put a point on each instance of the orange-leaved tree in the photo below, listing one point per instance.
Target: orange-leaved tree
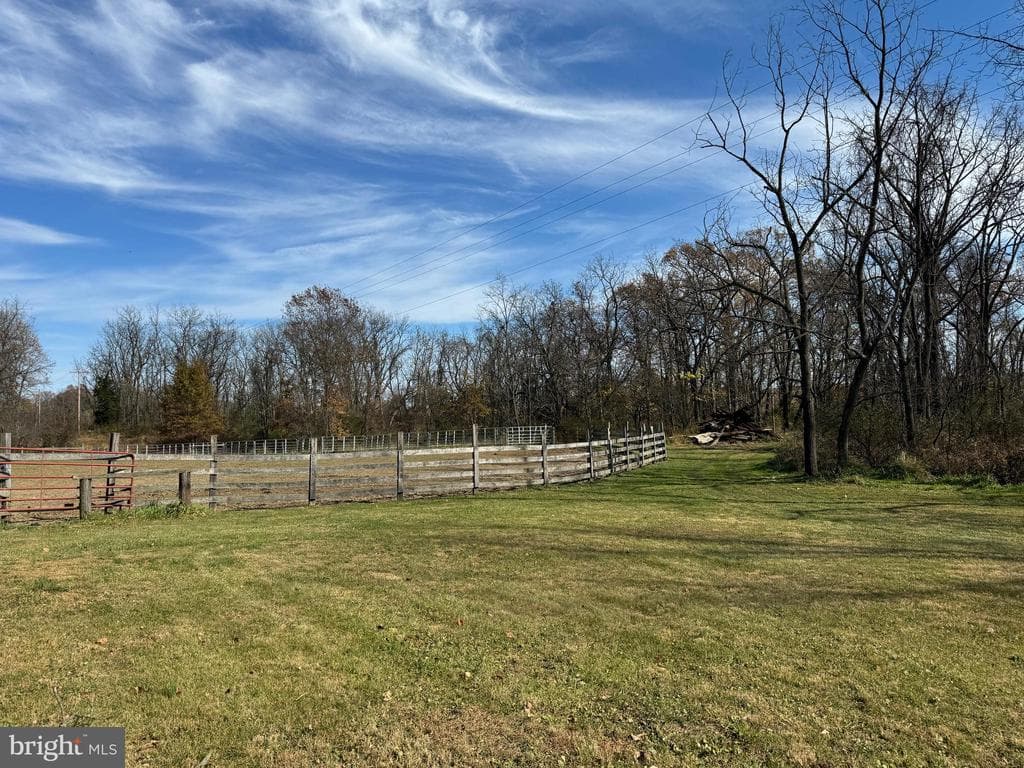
(189, 405)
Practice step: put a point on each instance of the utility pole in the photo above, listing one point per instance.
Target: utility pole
(79, 372)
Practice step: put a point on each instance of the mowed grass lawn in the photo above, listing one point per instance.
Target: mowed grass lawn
(704, 611)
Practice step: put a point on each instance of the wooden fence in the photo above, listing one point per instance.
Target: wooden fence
(234, 481)
(249, 482)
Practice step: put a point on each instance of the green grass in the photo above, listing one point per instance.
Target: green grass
(704, 611)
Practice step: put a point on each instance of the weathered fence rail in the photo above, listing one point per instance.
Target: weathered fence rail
(239, 481)
(274, 480)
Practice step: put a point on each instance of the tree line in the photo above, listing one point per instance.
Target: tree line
(874, 304)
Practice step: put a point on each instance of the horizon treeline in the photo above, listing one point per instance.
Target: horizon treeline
(874, 306)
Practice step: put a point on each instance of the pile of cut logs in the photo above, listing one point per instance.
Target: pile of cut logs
(736, 427)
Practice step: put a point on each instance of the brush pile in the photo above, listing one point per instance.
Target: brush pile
(736, 427)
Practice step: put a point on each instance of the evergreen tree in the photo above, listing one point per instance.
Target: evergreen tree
(106, 402)
(188, 406)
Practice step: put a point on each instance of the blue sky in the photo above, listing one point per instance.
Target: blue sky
(232, 152)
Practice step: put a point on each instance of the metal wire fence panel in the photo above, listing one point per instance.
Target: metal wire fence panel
(524, 435)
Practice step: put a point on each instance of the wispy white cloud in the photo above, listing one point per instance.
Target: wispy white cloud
(439, 47)
(18, 231)
(256, 147)
(601, 45)
(111, 97)
(248, 91)
(140, 36)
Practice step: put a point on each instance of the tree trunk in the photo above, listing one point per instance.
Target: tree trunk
(909, 417)
(849, 406)
(931, 351)
(810, 420)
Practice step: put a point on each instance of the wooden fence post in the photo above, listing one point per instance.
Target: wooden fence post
(185, 488)
(544, 456)
(590, 453)
(400, 468)
(312, 469)
(84, 497)
(625, 435)
(643, 443)
(611, 451)
(476, 460)
(213, 472)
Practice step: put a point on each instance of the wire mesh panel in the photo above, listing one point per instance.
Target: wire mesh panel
(529, 435)
(454, 438)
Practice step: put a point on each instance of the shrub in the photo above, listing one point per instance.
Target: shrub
(876, 442)
(905, 467)
(789, 455)
(1004, 463)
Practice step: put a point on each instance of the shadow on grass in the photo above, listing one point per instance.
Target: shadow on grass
(624, 542)
(718, 568)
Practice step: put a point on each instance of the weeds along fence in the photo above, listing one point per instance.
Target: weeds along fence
(524, 435)
(96, 482)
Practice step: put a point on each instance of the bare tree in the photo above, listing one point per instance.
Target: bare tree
(1006, 48)
(858, 63)
(128, 354)
(952, 187)
(23, 364)
(798, 191)
(883, 65)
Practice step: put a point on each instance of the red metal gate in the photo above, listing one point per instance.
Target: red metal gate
(43, 483)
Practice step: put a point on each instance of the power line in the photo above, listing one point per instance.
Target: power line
(373, 288)
(427, 267)
(532, 200)
(376, 286)
(570, 214)
(593, 244)
(601, 241)
(369, 289)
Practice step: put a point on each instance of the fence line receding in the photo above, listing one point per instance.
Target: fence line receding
(223, 480)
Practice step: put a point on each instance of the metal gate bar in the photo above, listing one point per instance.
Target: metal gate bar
(32, 481)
